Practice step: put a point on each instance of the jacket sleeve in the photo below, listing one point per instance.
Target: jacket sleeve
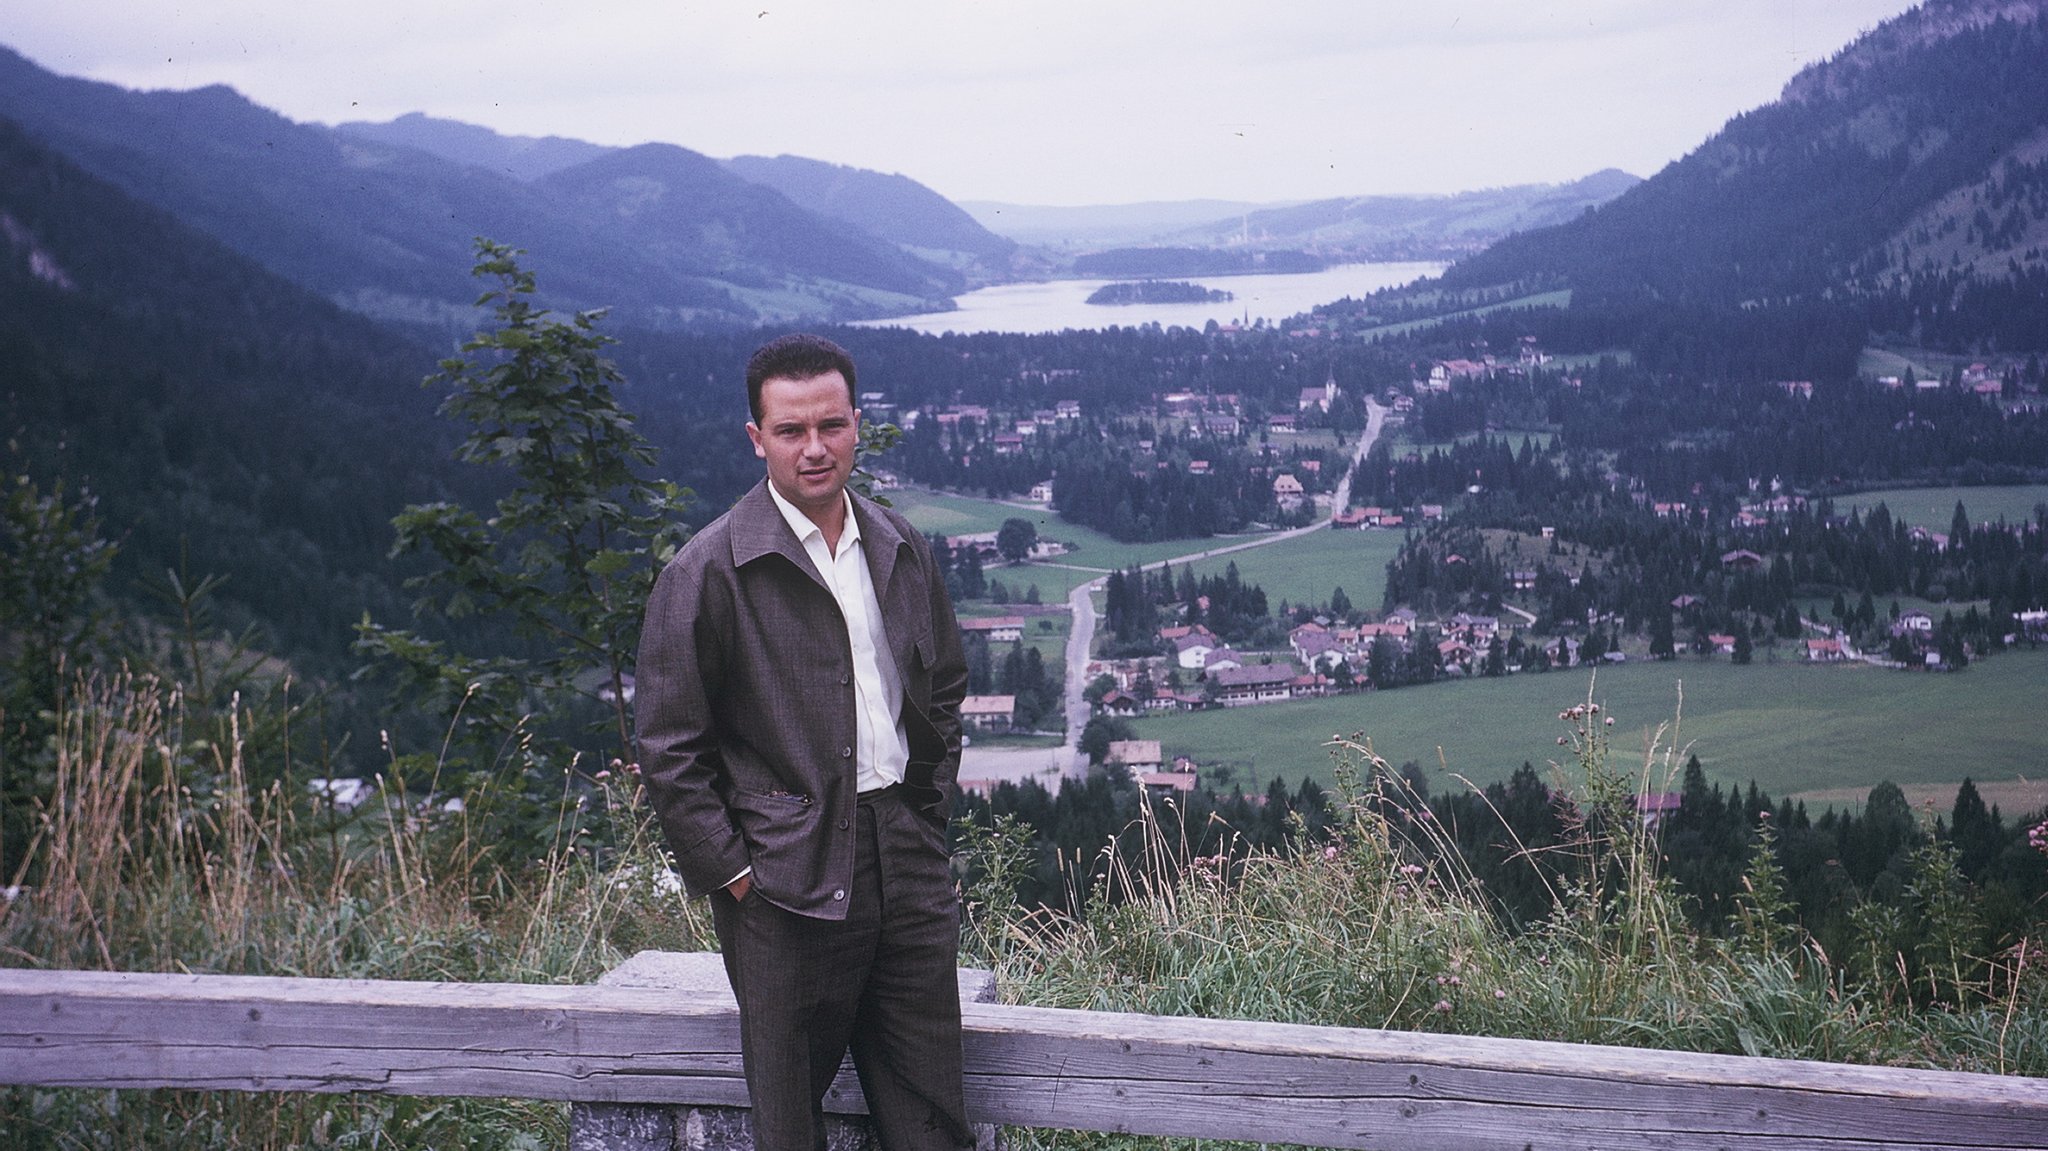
(683, 641)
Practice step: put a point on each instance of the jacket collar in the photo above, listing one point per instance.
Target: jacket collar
(758, 530)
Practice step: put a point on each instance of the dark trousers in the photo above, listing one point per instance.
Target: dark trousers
(881, 983)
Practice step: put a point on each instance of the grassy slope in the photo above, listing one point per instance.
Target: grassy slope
(1094, 553)
(1306, 568)
(1933, 508)
(1556, 299)
(1791, 728)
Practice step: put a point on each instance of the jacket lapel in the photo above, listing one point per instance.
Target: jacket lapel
(885, 547)
(880, 541)
(758, 530)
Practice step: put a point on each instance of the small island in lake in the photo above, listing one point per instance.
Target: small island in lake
(1157, 292)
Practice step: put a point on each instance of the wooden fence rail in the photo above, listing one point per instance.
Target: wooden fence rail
(1032, 1067)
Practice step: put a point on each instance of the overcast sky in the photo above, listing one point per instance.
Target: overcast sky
(1027, 101)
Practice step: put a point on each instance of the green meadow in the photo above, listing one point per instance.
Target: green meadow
(1935, 508)
(1093, 554)
(1305, 569)
(1047, 632)
(1557, 299)
(1789, 727)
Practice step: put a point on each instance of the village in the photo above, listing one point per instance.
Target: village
(1487, 633)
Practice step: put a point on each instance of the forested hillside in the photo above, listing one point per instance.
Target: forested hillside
(521, 157)
(386, 228)
(1415, 227)
(1902, 178)
(894, 207)
(230, 423)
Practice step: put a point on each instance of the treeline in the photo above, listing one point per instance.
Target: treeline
(1137, 602)
(1882, 891)
(1133, 497)
(1022, 672)
(1148, 262)
(1091, 828)
(1872, 888)
(1648, 573)
(1131, 479)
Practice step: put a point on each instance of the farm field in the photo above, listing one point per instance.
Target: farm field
(1405, 440)
(1045, 630)
(2013, 797)
(1557, 299)
(1791, 728)
(1306, 568)
(943, 514)
(1934, 508)
(1095, 554)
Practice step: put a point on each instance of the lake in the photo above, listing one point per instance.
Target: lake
(1061, 304)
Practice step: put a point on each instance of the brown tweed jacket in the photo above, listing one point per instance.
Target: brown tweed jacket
(745, 705)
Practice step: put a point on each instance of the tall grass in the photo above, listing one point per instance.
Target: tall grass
(1383, 926)
(158, 852)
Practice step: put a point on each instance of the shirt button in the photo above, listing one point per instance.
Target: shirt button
(842, 825)
(845, 679)
(839, 893)
(846, 752)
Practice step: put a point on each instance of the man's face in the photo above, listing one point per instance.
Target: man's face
(808, 433)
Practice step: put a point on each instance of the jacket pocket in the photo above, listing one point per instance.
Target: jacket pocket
(772, 820)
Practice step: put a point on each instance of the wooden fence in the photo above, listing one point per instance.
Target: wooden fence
(1031, 1067)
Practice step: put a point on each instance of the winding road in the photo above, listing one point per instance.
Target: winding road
(1051, 764)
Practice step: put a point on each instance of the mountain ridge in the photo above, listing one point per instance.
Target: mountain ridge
(1903, 170)
(386, 228)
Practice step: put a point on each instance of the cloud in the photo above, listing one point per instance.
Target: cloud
(1042, 101)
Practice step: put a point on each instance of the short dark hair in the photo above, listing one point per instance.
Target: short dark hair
(797, 356)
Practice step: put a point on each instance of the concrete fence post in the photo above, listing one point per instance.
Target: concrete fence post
(691, 1127)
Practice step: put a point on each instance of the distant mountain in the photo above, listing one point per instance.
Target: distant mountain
(896, 208)
(689, 214)
(387, 228)
(520, 157)
(1909, 172)
(1373, 227)
(1102, 226)
(1407, 227)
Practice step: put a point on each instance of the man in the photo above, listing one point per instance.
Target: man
(799, 689)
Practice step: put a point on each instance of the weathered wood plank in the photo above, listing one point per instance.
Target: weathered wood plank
(1026, 1066)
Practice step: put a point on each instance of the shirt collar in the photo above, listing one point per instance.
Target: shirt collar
(803, 527)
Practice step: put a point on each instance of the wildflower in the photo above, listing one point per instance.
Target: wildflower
(603, 774)
(1411, 869)
(1560, 741)
(633, 768)
(1609, 721)
(1443, 1007)
(1330, 854)
(1499, 994)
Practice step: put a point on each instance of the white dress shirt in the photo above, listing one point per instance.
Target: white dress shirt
(881, 746)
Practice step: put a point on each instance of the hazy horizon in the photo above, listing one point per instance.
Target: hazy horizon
(1054, 104)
